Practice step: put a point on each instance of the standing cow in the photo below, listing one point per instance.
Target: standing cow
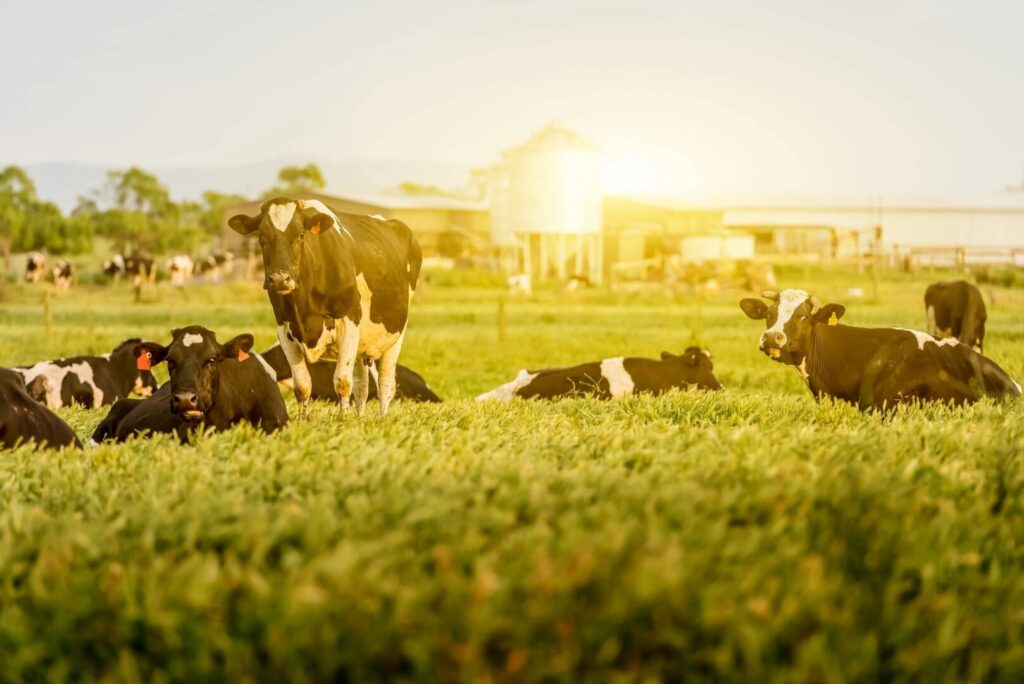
(35, 267)
(956, 309)
(138, 266)
(63, 274)
(339, 284)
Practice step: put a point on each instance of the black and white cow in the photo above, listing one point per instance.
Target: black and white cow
(180, 268)
(410, 385)
(137, 266)
(216, 266)
(613, 378)
(23, 419)
(218, 385)
(340, 286)
(90, 381)
(956, 309)
(63, 274)
(35, 267)
(874, 368)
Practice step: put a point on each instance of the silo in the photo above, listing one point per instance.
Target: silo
(546, 193)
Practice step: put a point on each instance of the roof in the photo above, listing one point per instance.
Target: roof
(388, 201)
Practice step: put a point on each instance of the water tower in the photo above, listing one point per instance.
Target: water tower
(546, 205)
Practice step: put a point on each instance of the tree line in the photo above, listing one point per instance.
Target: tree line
(132, 209)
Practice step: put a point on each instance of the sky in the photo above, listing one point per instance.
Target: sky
(684, 98)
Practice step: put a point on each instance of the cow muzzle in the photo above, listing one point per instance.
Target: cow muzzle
(187, 404)
(772, 343)
(280, 282)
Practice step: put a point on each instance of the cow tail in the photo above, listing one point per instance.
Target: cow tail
(415, 257)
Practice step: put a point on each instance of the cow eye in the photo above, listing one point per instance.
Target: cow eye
(804, 317)
(211, 361)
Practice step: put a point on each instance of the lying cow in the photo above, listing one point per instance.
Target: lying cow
(871, 367)
(613, 378)
(63, 274)
(956, 309)
(136, 266)
(410, 384)
(23, 419)
(90, 381)
(211, 384)
(35, 267)
(336, 282)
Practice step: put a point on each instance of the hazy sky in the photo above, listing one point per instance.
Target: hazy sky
(683, 97)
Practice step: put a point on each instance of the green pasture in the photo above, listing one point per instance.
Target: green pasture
(747, 535)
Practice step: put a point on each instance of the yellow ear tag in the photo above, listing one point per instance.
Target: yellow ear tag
(833, 319)
(315, 230)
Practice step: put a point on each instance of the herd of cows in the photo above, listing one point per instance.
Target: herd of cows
(340, 286)
(140, 268)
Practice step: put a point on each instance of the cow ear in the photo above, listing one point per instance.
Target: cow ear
(754, 308)
(244, 225)
(830, 314)
(149, 354)
(238, 347)
(318, 222)
(667, 356)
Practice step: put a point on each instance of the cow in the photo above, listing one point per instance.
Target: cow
(180, 267)
(520, 283)
(613, 378)
(63, 274)
(24, 420)
(872, 368)
(410, 385)
(212, 384)
(216, 266)
(89, 381)
(35, 267)
(340, 287)
(138, 266)
(956, 309)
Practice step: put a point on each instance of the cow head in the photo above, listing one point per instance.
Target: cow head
(790, 316)
(285, 228)
(123, 358)
(695, 367)
(194, 360)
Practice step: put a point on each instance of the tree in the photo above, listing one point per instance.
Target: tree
(291, 179)
(137, 190)
(211, 220)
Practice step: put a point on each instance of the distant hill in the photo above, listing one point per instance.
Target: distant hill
(64, 182)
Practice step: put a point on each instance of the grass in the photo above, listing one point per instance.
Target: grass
(750, 535)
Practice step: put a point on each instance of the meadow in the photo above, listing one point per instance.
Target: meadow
(747, 535)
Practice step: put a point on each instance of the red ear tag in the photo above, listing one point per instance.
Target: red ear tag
(144, 362)
(315, 230)
(242, 356)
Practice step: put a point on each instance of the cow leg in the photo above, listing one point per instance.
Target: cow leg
(361, 384)
(386, 382)
(302, 383)
(348, 348)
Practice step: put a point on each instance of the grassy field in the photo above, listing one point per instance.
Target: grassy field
(749, 535)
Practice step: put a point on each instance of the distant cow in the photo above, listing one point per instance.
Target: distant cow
(23, 419)
(873, 368)
(216, 266)
(180, 268)
(336, 282)
(136, 266)
(613, 378)
(215, 384)
(520, 283)
(410, 384)
(956, 309)
(35, 267)
(63, 274)
(89, 381)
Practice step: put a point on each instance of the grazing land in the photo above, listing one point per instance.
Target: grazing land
(746, 535)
